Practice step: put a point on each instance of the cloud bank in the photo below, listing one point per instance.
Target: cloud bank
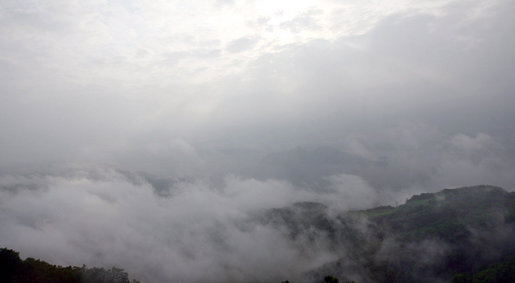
(148, 135)
(195, 233)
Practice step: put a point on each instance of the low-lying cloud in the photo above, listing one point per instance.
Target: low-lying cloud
(195, 233)
(126, 141)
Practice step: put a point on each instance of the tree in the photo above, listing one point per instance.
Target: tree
(331, 279)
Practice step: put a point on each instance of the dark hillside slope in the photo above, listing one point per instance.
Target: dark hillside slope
(15, 270)
(450, 215)
(454, 231)
(430, 238)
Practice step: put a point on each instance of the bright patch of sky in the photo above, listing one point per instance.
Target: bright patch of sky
(137, 43)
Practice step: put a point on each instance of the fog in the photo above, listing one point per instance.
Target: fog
(151, 136)
(194, 233)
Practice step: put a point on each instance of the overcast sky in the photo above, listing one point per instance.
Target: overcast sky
(369, 101)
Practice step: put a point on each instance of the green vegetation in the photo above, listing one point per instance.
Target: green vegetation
(447, 215)
(499, 272)
(457, 235)
(13, 269)
(378, 211)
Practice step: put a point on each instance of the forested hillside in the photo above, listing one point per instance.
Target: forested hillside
(457, 235)
(13, 269)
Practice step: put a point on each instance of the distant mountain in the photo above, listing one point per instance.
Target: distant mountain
(454, 234)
